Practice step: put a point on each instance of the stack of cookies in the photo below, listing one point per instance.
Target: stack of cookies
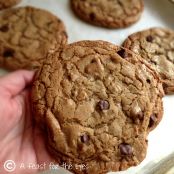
(96, 102)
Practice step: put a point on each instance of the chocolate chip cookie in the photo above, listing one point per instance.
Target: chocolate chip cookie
(8, 3)
(110, 14)
(156, 46)
(26, 36)
(96, 101)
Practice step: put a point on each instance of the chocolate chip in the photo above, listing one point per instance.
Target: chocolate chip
(8, 53)
(152, 120)
(149, 38)
(148, 81)
(103, 105)
(4, 28)
(92, 16)
(122, 53)
(84, 138)
(69, 77)
(125, 149)
(93, 61)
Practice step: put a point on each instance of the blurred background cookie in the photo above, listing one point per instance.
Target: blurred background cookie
(156, 46)
(26, 36)
(109, 14)
(8, 3)
(96, 105)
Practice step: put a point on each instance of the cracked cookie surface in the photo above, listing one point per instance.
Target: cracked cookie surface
(156, 46)
(8, 3)
(96, 101)
(26, 36)
(109, 13)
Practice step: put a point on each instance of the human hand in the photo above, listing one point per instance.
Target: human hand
(20, 140)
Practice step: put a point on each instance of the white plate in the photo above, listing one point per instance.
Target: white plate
(157, 13)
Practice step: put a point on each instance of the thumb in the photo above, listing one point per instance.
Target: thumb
(13, 83)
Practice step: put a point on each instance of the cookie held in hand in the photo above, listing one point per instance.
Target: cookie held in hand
(96, 104)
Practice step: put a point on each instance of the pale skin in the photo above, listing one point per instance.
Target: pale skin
(20, 139)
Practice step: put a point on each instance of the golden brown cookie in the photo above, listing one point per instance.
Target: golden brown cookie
(8, 3)
(108, 13)
(96, 102)
(26, 36)
(156, 46)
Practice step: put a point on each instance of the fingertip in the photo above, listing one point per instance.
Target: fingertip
(15, 82)
(26, 74)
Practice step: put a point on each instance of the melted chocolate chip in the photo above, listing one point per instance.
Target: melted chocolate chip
(152, 120)
(148, 81)
(122, 53)
(92, 16)
(8, 53)
(149, 38)
(4, 28)
(125, 149)
(69, 77)
(84, 138)
(103, 105)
